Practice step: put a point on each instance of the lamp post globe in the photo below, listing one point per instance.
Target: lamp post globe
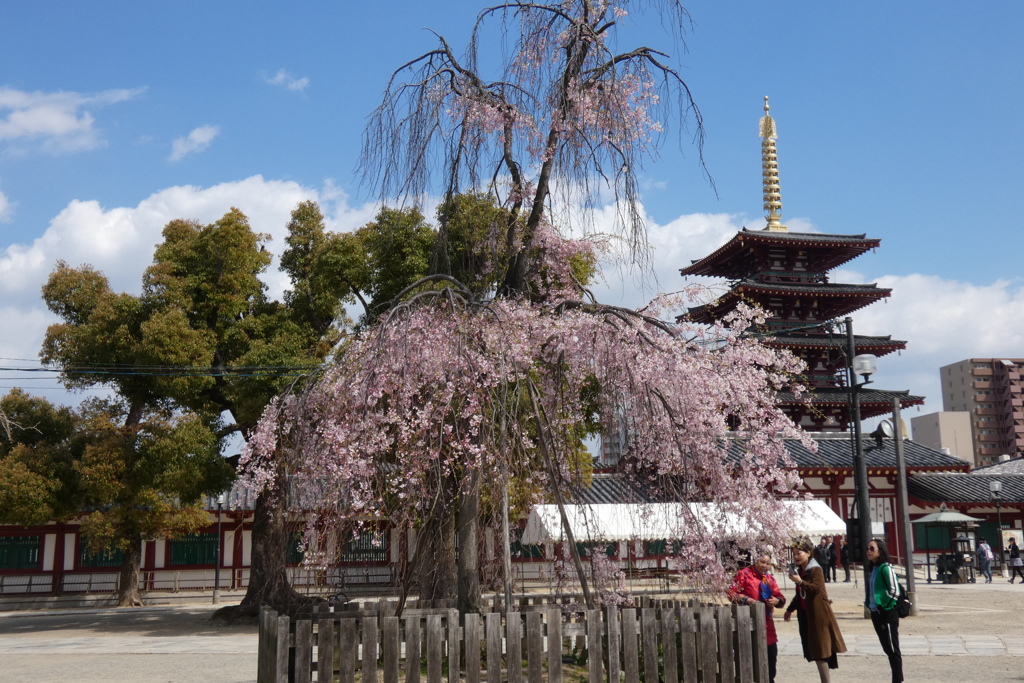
(995, 488)
(221, 499)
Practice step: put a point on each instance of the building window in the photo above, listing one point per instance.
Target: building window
(588, 549)
(193, 549)
(110, 557)
(516, 549)
(19, 552)
(937, 538)
(370, 546)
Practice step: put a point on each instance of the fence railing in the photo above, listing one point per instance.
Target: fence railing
(671, 642)
(173, 580)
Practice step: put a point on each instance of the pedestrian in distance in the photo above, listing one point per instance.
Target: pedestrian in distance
(833, 558)
(844, 557)
(821, 556)
(1016, 565)
(755, 584)
(985, 557)
(883, 595)
(819, 631)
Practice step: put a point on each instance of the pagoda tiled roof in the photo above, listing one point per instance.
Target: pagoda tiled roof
(1012, 466)
(840, 248)
(835, 451)
(841, 396)
(879, 346)
(965, 488)
(613, 488)
(825, 340)
(822, 288)
(856, 296)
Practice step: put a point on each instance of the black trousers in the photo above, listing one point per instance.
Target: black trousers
(773, 657)
(887, 626)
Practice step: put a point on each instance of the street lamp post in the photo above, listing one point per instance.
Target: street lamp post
(221, 499)
(864, 365)
(995, 488)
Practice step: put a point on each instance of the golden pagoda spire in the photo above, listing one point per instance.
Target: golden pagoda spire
(770, 172)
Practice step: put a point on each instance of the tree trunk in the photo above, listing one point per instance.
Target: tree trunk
(268, 574)
(437, 568)
(469, 544)
(128, 594)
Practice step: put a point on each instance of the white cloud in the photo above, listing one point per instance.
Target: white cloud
(6, 208)
(672, 246)
(120, 242)
(285, 80)
(195, 142)
(941, 320)
(60, 120)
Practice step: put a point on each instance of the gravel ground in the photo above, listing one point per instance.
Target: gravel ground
(156, 645)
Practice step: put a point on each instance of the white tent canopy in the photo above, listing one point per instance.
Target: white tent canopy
(660, 521)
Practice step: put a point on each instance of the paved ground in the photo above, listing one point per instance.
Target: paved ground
(964, 633)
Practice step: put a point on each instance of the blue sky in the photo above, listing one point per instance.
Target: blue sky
(901, 120)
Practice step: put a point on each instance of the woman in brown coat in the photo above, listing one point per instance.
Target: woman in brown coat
(819, 631)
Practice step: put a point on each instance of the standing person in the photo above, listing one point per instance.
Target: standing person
(819, 632)
(844, 557)
(821, 556)
(985, 557)
(832, 557)
(1016, 565)
(885, 590)
(755, 584)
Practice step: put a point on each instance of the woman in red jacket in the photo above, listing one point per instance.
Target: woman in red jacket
(754, 584)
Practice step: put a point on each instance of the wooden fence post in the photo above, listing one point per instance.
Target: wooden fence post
(611, 620)
(514, 646)
(726, 662)
(392, 648)
(303, 659)
(325, 650)
(688, 643)
(471, 645)
(676, 643)
(668, 644)
(742, 644)
(554, 646)
(761, 642)
(370, 636)
(630, 652)
(494, 631)
(282, 650)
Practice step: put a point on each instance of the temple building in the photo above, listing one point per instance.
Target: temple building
(787, 275)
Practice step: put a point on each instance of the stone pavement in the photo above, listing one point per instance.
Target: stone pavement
(911, 645)
(966, 629)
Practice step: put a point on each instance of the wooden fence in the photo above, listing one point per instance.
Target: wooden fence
(668, 642)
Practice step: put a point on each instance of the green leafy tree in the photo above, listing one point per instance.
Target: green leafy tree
(144, 480)
(37, 452)
(128, 482)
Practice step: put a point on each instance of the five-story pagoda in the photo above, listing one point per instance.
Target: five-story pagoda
(787, 275)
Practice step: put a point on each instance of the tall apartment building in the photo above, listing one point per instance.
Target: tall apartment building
(991, 391)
